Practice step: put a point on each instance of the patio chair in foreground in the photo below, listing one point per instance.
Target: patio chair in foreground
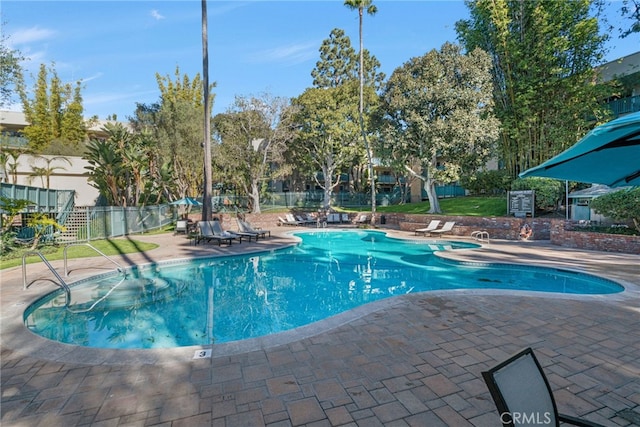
(432, 226)
(522, 393)
(446, 228)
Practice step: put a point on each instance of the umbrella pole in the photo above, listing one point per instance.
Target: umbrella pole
(566, 200)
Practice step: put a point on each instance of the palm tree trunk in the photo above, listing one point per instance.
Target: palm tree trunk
(206, 201)
(362, 128)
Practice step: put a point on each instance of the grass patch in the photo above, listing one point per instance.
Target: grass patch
(458, 206)
(108, 247)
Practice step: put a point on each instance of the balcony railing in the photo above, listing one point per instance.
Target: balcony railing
(622, 106)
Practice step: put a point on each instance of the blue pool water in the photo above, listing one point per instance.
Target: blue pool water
(237, 297)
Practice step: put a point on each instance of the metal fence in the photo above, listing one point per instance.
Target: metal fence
(101, 222)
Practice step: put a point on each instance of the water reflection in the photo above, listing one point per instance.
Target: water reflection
(234, 298)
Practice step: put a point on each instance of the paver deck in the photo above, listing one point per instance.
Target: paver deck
(413, 360)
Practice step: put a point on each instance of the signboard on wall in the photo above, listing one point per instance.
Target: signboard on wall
(520, 203)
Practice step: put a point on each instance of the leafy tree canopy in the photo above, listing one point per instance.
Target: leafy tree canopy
(338, 63)
(54, 113)
(10, 70)
(437, 112)
(328, 133)
(253, 136)
(543, 56)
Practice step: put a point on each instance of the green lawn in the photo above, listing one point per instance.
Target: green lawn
(463, 206)
(108, 247)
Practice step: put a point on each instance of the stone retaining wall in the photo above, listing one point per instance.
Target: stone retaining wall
(497, 227)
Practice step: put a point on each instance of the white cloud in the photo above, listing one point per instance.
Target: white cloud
(156, 15)
(30, 35)
(292, 54)
(95, 76)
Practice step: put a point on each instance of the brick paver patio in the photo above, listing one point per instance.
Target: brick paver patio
(413, 360)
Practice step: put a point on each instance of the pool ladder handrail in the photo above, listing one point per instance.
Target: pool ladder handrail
(62, 283)
(66, 270)
(99, 300)
(480, 235)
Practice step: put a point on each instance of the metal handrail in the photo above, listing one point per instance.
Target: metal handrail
(480, 235)
(99, 300)
(62, 283)
(66, 270)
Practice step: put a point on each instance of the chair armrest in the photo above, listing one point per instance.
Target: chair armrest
(577, 421)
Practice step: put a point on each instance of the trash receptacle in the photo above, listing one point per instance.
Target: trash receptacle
(383, 219)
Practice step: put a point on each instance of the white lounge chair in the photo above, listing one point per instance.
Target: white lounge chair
(361, 219)
(181, 226)
(446, 228)
(282, 221)
(292, 220)
(429, 228)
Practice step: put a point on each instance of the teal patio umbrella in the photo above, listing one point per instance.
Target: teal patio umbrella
(609, 155)
(189, 201)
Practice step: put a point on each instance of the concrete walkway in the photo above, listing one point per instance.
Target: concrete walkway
(413, 360)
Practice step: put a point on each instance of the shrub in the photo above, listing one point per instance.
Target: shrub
(621, 205)
(493, 182)
(548, 191)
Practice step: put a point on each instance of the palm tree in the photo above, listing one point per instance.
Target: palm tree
(360, 6)
(206, 202)
(46, 171)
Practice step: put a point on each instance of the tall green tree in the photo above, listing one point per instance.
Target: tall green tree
(339, 63)
(436, 111)
(543, 54)
(328, 132)
(54, 113)
(180, 128)
(253, 136)
(360, 6)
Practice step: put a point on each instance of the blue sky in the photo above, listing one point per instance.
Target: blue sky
(117, 47)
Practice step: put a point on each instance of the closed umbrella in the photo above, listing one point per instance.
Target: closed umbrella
(609, 155)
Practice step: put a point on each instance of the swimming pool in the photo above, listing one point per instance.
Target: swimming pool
(223, 299)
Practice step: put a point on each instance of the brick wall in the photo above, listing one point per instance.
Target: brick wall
(497, 227)
(563, 234)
